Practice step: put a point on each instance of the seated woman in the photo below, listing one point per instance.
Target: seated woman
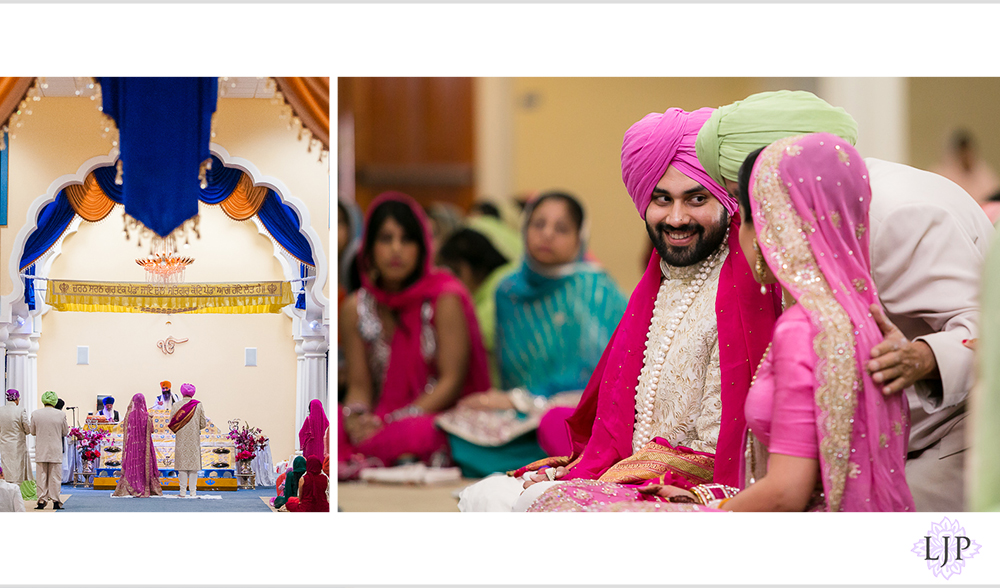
(140, 475)
(312, 490)
(555, 316)
(412, 344)
(288, 491)
(471, 256)
(834, 441)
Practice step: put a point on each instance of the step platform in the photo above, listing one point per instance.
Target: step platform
(218, 480)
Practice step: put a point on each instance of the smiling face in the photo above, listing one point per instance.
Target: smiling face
(553, 237)
(684, 220)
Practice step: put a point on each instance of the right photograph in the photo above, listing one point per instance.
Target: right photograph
(668, 294)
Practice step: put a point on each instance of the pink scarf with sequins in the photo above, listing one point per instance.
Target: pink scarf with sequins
(810, 197)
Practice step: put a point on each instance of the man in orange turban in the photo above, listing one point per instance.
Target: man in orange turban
(166, 399)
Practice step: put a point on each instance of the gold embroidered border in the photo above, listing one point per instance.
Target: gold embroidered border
(223, 298)
(652, 461)
(785, 240)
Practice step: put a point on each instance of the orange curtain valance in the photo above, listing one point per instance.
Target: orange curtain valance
(12, 92)
(310, 100)
(92, 204)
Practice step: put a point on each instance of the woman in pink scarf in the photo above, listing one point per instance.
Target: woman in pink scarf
(313, 433)
(835, 443)
(139, 476)
(411, 340)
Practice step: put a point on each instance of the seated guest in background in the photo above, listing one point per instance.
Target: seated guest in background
(312, 490)
(667, 396)
(928, 239)
(476, 262)
(411, 340)
(140, 475)
(166, 399)
(445, 218)
(554, 315)
(49, 427)
(314, 430)
(109, 411)
(834, 443)
(10, 496)
(290, 489)
(187, 419)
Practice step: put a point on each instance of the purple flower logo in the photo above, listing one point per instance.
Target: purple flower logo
(946, 547)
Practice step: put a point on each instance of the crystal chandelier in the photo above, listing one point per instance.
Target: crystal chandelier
(165, 268)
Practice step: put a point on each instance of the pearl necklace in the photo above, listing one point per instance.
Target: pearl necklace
(657, 347)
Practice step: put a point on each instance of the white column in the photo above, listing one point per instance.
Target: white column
(18, 371)
(4, 334)
(494, 125)
(880, 107)
(311, 374)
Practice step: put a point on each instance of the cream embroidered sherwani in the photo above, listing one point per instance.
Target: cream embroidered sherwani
(688, 406)
(187, 444)
(687, 409)
(14, 459)
(928, 242)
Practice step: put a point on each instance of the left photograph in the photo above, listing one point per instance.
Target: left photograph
(164, 296)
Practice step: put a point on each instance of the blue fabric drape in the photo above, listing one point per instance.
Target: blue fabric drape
(53, 220)
(221, 182)
(29, 288)
(300, 301)
(105, 177)
(283, 224)
(164, 127)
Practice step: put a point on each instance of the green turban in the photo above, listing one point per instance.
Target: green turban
(50, 398)
(736, 130)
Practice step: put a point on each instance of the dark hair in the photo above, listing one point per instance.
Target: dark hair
(473, 248)
(575, 208)
(60, 404)
(744, 180)
(412, 229)
(486, 209)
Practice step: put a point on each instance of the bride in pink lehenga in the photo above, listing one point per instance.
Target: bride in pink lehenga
(139, 476)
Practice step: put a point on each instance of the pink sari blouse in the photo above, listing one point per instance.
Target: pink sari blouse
(810, 197)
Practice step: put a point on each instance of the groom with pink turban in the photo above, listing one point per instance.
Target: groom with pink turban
(665, 403)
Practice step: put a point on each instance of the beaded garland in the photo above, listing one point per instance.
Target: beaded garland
(657, 347)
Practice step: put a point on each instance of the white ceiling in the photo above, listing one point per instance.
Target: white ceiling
(235, 87)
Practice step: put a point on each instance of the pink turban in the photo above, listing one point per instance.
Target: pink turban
(658, 141)
(187, 390)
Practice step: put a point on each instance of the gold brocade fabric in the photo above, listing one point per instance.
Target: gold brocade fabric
(224, 298)
(655, 460)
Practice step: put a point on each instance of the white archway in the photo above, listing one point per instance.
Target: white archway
(20, 329)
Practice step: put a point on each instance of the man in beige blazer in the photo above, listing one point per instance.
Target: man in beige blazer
(928, 240)
(49, 427)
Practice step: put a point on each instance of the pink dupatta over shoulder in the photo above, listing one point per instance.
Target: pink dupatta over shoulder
(810, 197)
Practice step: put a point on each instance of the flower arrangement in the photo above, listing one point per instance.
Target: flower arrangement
(248, 440)
(89, 441)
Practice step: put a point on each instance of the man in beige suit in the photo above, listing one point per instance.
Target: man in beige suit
(49, 427)
(928, 239)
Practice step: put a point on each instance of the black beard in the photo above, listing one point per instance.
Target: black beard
(706, 242)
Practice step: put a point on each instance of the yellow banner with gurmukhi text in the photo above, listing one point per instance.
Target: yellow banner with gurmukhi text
(224, 298)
